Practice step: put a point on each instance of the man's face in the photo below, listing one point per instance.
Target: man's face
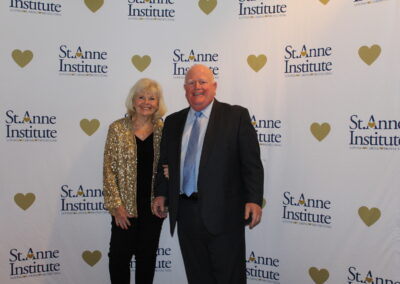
(200, 87)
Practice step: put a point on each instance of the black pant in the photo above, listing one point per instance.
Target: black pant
(141, 239)
(208, 258)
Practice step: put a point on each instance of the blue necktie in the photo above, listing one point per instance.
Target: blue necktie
(189, 167)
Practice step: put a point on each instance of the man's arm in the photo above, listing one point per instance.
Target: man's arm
(158, 206)
(161, 182)
(252, 170)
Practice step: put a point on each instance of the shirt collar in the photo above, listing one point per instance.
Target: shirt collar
(206, 112)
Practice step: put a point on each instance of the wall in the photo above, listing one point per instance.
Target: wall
(319, 77)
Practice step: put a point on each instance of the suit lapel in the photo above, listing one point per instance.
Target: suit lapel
(180, 125)
(210, 135)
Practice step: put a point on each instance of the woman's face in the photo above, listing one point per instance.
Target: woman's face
(145, 104)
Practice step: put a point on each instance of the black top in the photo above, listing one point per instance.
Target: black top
(145, 156)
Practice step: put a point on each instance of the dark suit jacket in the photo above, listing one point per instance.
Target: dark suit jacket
(230, 171)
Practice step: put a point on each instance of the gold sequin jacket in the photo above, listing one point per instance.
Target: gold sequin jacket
(120, 165)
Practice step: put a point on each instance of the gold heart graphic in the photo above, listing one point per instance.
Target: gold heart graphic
(319, 276)
(78, 54)
(369, 216)
(24, 201)
(301, 202)
(256, 62)
(91, 258)
(22, 58)
(191, 57)
(89, 127)
(320, 131)
(27, 119)
(324, 1)
(369, 54)
(371, 124)
(368, 279)
(94, 5)
(29, 255)
(207, 6)
(141, 63)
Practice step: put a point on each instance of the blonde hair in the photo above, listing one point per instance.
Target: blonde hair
(146, 85)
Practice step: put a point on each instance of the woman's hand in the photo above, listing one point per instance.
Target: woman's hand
(121, 217)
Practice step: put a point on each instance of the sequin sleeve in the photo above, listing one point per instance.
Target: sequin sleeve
(112, 197)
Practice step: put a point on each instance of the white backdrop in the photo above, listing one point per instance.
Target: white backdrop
(320, 78)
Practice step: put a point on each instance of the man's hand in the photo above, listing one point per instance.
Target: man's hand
(253, 211)
(121, 217)
(166, 171)
(158, 207)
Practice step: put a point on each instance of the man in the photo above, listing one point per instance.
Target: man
(214, 189)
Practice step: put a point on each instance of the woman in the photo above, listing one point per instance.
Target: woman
(130, 161)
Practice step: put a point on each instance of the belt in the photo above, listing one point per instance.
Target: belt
(193, 196)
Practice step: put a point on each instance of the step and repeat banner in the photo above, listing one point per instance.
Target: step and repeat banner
(320, 78)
